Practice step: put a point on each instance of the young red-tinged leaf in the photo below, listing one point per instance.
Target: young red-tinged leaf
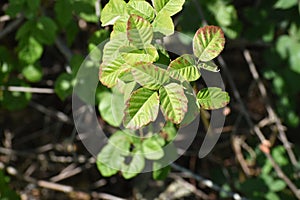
(212, 98)
(141, 108)
(149, 76)
(139, 31)
(173, 102)
(208, 43)
(184, 68)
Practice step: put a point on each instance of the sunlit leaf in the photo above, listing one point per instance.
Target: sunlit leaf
(173, 102)
(184, 68)
(139, 31)
(141, 108)
(111, 49)
(193, 106)
(208, 43)
(33, 73)
(163, 24)
(112, 11)
(149, 76)
(212, 98)
(209, 66)
(119, 28)
(170, 7)
(132, 55)
(141, 8)
(109, 73)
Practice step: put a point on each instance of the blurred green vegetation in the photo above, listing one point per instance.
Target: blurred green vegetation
(273, 25)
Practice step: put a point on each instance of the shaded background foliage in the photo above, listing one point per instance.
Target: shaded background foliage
(42, 44)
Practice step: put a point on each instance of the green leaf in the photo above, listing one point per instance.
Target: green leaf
(139, 31)
(45, 31)
(32, 73)
(119, 28)
(30, 50)
(111, 49)
(152, 149)
(121, 140)
(170, 7)
(111, 108)
(285, 4)
(128, 89)
(159, 172)
(295, 57)
(169, 131)
(173, 102)
(109, 160)
(15, 100)
(208, 43)
(64, 85)
(280, 156)
(163, 24)
(277, 185)
(193, 106)
(63, 12)
(75, 63)
(283, 44)
(15, 7)
(25, 30)
(149, 76)
(212, 98)
(85, 9)
(132, 55)
(136, 165)
(99, 36)
(141, 108)
(209, 66)
(109, 73)
(164, 58)
(141, 8)
(184, 68)
(112, 11)
(272, 196)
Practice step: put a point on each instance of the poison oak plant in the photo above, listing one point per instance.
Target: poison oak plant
(142, 83)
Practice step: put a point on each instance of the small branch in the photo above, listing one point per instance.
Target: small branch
(52, 113)
(11, 26)
(190, 187)
(281, 175)
(237, 147)
(208, 183)
(4, 18)
(62, 47)
(270, 110)
(28, 89)
(98, 11)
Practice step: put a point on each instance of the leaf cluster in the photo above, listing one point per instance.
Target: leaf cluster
(146, 84)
